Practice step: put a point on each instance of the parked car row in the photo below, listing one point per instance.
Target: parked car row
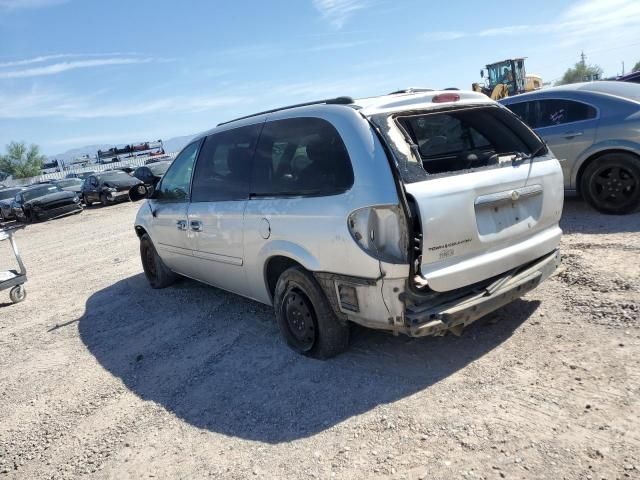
(37, 202)
(53, 198)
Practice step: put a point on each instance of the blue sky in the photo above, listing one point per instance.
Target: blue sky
(79, 72)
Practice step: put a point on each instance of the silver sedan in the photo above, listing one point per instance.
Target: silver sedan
(594, 130)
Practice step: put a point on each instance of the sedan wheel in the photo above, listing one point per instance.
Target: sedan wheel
(611, 184)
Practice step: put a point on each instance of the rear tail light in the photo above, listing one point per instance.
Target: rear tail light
(446, 97)
(381, 232)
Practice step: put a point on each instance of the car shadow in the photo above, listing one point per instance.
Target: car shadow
(579, 217)
(216, 360)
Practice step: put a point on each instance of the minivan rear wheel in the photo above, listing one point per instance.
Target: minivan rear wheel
(305, 318)
(157, 273)
(611, 183)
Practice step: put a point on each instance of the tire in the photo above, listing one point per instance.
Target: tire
(611, 183)
(305, 318)
(18, 293)
(28, 218)
(157, 273)
(103, 200)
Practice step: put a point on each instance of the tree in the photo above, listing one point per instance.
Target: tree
(636, 67)
(579, 73)
(20, 161)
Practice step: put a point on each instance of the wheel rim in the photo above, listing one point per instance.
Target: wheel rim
(299, 316)
(18, 293)
(150, 262)
(614, 186)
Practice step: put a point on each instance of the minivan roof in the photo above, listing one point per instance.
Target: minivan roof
(400, 100)
(423, 99)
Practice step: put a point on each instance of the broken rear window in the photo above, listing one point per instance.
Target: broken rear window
(457, 140)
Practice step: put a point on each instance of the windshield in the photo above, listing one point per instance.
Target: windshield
(40, 191)
(158, 168)
(115, 176)
(69, 183)
(500, 73)
(5, 194)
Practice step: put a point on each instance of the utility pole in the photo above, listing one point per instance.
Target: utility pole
(623, 67)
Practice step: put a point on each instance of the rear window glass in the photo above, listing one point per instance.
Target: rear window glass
(464, 139)
(114, 176)
(301, 156)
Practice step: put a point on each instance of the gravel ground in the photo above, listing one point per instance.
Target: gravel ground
(101, 376)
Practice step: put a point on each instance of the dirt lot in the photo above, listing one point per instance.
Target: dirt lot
(101, 376)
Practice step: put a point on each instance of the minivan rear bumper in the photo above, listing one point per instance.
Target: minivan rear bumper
(424, 320)
(386, 304)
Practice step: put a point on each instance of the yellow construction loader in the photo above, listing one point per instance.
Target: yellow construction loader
(507, 78)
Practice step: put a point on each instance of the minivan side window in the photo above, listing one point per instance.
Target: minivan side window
(175, 183)
(556, 112)
(223, 171)
(301, 156)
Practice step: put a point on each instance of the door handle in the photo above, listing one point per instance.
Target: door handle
(570, 135)
(181, 224)
(196, 225)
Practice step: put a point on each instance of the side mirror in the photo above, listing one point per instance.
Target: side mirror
(481, 73)
(139, 192)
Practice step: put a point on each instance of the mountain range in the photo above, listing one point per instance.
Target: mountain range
(172, 145)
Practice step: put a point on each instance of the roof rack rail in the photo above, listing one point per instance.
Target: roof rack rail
(328, 101)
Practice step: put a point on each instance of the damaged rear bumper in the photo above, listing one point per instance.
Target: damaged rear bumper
(385, 304)
(423, 320)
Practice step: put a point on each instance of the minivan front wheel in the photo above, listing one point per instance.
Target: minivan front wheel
(305, 318)
(611, 183)
(157, 273)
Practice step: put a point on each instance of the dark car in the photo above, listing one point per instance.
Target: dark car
(6, 198)
(122, 168)
(70, 185)
(151, 174)
(44, 201)
(80, 175)
(108, 187)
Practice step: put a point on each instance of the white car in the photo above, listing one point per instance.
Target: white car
(415, 213)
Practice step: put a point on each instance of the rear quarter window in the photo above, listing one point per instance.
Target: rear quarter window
(301, 156)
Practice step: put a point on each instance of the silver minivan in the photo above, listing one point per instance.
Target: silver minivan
(416, 213)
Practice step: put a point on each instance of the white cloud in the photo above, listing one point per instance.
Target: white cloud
(58, 56)
(337, 12)
(585, 21)
(60, 67)
(45, 104)
(17, 4)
